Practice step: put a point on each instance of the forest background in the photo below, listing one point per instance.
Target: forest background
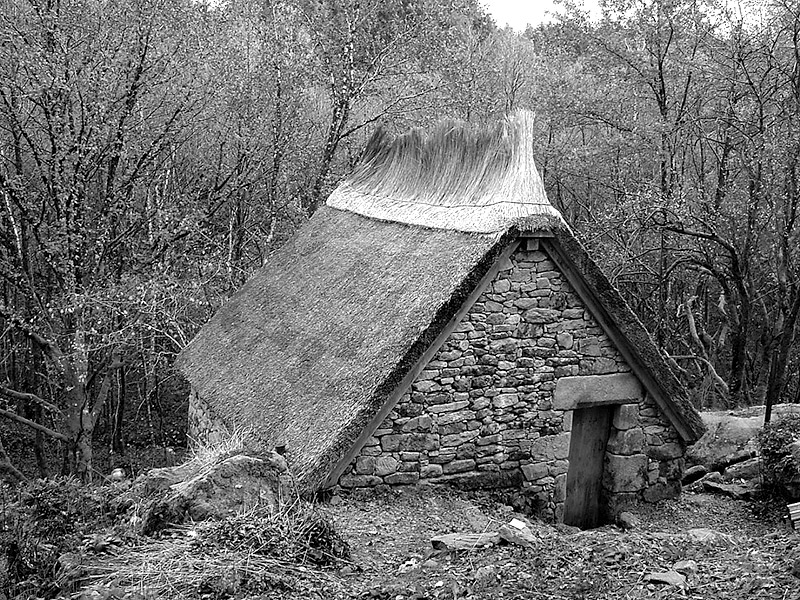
(154, 152)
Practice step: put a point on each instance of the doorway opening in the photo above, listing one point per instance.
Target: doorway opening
(584, 497)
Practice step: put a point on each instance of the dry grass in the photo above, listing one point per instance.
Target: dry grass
(453, 176)
(207, 453)
(257, 551)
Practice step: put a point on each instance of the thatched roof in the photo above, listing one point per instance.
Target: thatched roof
(307, 352)
(311, 349)
(468, 178)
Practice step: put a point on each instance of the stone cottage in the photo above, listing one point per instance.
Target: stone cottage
(436, 322)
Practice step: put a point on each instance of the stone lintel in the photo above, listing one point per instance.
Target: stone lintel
(594, 390)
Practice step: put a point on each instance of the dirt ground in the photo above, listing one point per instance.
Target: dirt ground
(750, 554)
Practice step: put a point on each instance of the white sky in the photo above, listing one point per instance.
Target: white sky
(518, 13)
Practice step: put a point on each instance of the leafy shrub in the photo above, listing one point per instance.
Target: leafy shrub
(778, 466)
(49, 519)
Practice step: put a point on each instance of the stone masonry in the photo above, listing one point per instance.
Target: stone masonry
(494, 406)
(203, 424)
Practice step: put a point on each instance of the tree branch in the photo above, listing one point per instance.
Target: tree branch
(711, 370)
(28, 397)
(46, 430)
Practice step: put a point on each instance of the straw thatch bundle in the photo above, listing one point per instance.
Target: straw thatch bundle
(454, 176)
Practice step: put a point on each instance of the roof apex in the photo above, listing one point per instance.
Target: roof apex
(454, 175)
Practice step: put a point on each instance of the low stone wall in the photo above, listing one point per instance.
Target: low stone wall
(204, 426)
(484, 413)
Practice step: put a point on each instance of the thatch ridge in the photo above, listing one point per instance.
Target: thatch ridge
(453, 176)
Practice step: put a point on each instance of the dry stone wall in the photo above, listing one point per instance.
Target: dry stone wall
(483, 412)
(204, 426)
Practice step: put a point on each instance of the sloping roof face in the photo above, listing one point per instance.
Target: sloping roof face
(453, 176)
(307, 352)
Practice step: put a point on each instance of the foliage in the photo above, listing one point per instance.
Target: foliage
(779, 467)
(50, 518)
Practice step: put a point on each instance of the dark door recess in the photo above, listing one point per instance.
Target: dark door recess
(587, 447)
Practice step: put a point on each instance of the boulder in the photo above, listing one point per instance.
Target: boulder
(520, 535)
(731, 432)
(694, 473)
(734, 490)
(233, 484)
(748, 469)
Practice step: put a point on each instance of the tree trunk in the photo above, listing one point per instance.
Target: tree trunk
(736, 377)
(118, 435)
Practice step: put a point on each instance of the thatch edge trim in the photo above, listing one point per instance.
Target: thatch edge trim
(620, 323)
(424, 358)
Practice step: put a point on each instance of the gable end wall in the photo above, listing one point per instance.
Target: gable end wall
(484, 412)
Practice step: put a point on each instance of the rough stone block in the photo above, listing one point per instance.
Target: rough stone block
(444, 457)
(385, 465)
(588, 390)
(535, 471)
(458, 438)
(598, 366)
(405, 478)
(420, 423)
(429, 471)
(565, 340)
(365, 465)
(505, 400)
(627, 442)
(541, 315)
(626, 416)
(551, 447)
(624, 473)
(409, 442)
(501, 286)
(455, 417)
(452, 428)
(466, 451)
(567, 426)
(458, 466)
(666, 451)
(489, 439)
(560, 488)
(674, 469)
(449, 407)
(526, 303)
(355, 481)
